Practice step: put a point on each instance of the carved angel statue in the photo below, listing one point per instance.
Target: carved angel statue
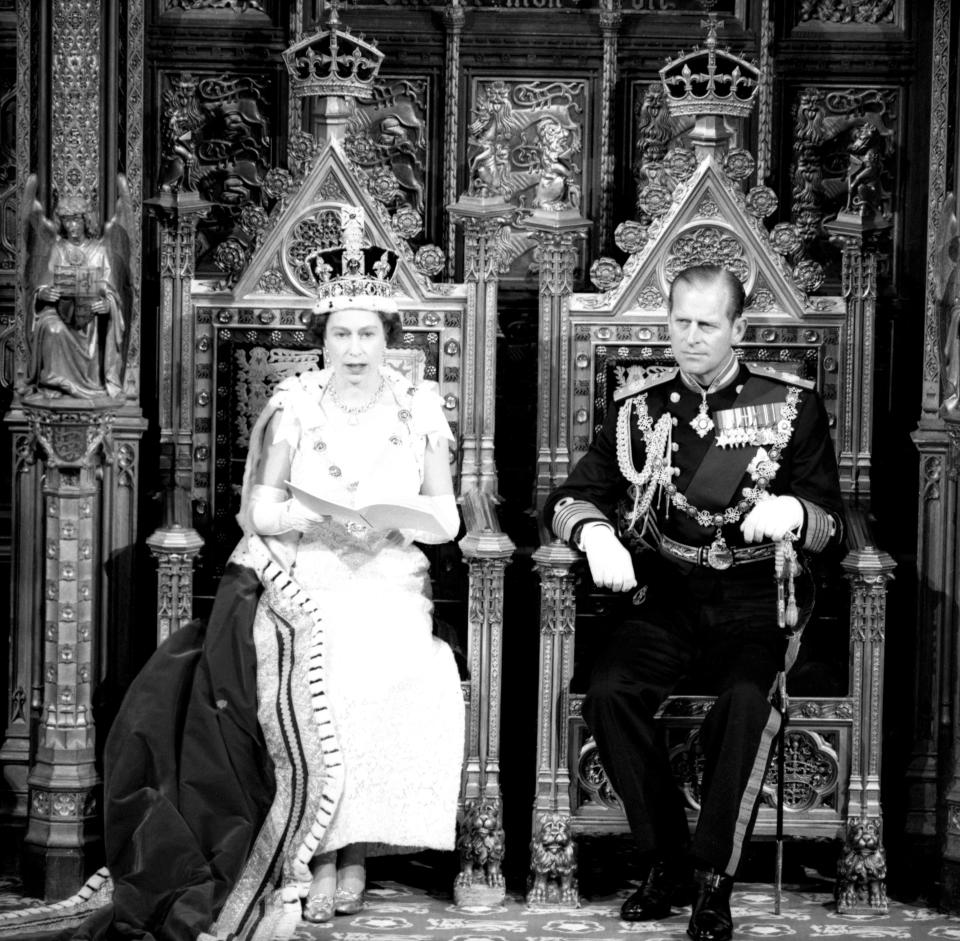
(77, 296)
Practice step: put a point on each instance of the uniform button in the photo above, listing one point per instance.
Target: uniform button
(320, 446)
(335, 471)
(674, 397)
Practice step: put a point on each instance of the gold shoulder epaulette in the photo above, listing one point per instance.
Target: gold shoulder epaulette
(634, 388)
(769, 372)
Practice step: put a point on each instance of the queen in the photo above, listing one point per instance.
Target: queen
(319, 719)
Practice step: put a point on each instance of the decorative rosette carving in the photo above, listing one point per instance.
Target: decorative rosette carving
(761, 201)
(630, 237)
(230, 257)
(361, 150)
(785, 238)
(271, 282)
(761, 301)
(680, 163)
(383, 185)
(808, 275)
(651, 298)
(654, 200)
(408, 222)
(253, 219)
(301, 149)
(605, 274)
(708, 207)
(429, 260)
(739, 164)
(278, 183)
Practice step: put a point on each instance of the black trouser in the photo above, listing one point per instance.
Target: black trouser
(727, 621)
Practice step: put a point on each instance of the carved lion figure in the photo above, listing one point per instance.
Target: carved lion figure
(481, 843)
(862, 870)
(554, 861)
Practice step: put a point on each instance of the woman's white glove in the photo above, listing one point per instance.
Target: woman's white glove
(272, 513)
(772, 518)
(443, 508)
(611, 566)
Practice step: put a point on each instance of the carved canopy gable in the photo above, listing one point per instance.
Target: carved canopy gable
(250, 336)
(306, 216)
(701, 214)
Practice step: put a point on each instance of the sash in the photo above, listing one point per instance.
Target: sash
(718, 476)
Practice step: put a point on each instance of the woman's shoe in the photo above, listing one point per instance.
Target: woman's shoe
(318, 909)
(348, 903)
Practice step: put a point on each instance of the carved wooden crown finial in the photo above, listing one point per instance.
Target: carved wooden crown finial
(332, 61)
(710, 80)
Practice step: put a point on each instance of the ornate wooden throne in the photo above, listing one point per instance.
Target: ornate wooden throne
(699, 208)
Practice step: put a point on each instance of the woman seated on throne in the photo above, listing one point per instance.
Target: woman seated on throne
(315, 720)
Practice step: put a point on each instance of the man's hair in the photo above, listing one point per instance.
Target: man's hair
(704, 277)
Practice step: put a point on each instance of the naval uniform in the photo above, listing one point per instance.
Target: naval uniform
(704, 596)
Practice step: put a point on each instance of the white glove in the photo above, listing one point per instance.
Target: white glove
(610, 564)
(444, 508)
(273, 514)
(772, 518)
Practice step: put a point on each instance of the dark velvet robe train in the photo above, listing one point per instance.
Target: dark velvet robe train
(188, 780)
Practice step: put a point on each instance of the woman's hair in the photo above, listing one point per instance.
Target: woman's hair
(390, 319)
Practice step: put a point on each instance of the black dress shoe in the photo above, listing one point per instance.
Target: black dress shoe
(711, 919)
(663, 884)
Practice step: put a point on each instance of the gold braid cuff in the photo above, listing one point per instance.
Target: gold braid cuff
(570, 514)
(821, 526)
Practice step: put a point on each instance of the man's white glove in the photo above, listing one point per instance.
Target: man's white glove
(772, 518)
(610, 564)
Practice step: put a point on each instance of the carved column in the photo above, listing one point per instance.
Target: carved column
(859, 239)
(61, 839)
(454, 17)
(949, 698)
(176, 543)
(551, 804)
(610, 20)
(26, 657)
(558, 234)
(933, 644)
(482, 218)
(937, 498)
(83, 99)
(765, 95)
(487, 552)
(869, 570)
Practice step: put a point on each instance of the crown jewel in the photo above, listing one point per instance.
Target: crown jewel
(332, 61)
(354, 274)
(710, 80)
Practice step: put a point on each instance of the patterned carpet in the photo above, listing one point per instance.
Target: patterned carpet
(398, 911)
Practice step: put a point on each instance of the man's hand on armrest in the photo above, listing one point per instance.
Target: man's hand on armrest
(773, 518)
(610, 564)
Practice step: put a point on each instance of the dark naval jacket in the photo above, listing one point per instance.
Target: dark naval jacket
(710, 472)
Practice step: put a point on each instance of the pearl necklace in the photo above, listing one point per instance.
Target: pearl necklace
(353, 412)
